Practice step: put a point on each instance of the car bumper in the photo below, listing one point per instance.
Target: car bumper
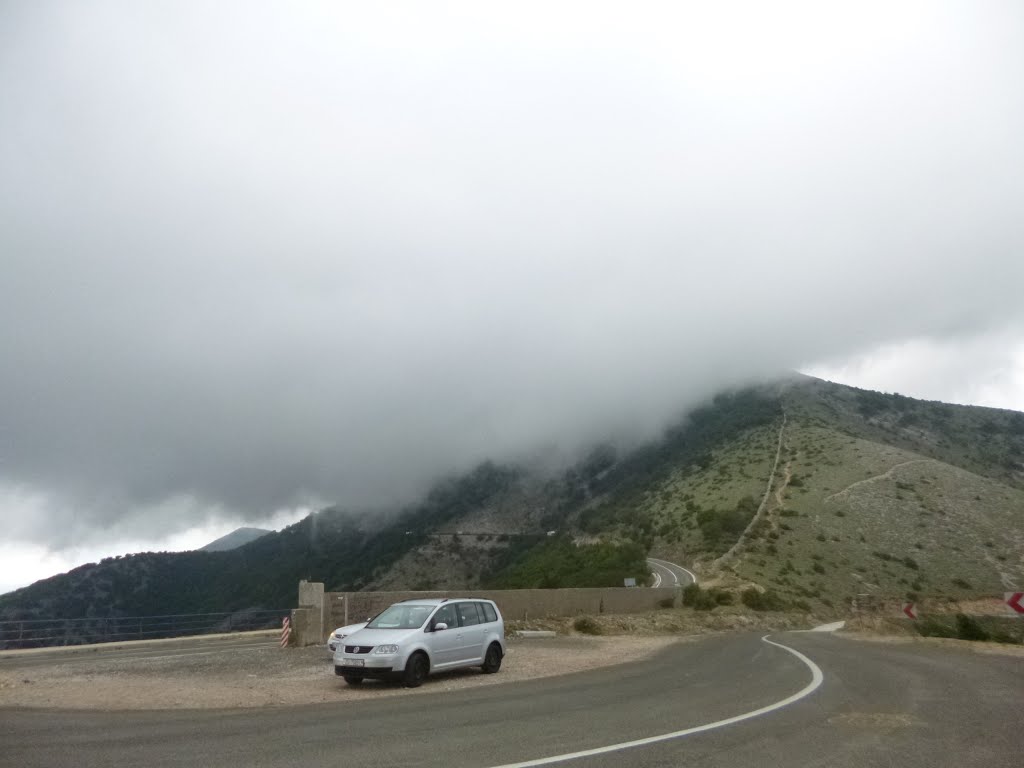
(383, 673)
(368, 662)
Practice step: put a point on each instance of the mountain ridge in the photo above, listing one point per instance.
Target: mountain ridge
(237, 538)
(819, 491)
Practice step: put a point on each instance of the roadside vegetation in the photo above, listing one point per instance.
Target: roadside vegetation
(559, 563)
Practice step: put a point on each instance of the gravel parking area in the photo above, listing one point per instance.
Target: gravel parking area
(268, 676)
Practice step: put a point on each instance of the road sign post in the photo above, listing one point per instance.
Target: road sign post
(910, 610)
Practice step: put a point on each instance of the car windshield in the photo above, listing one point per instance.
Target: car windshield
(401, 617)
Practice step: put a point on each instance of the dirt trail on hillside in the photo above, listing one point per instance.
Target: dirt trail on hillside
(760, 514)
(773, 512)
(882, 476)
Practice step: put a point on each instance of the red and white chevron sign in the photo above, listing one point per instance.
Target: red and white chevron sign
(1016, 601)
(910, 610)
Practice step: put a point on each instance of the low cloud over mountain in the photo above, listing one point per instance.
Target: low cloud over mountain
(255, 258)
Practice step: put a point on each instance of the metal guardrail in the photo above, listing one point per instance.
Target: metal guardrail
(40, 633)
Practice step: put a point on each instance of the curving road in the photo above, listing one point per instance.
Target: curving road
(668, 574)
(913, 706)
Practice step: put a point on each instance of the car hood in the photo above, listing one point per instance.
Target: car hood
(349, 629)
(380, 636)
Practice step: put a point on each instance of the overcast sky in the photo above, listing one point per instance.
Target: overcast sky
(256, 257)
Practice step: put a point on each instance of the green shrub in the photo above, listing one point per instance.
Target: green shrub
(722, 597)
(691, 594)
(762, 601)
(586, 625)
(969, 629)
(705, 600)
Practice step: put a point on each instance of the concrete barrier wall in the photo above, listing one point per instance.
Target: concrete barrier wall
(515, 604)
(307, 627)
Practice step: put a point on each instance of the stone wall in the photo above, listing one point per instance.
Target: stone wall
(320, 612)
(515, 604)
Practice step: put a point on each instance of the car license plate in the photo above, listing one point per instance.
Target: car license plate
(353, 662)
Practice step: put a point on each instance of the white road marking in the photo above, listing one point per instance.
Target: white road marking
(835, 625)
(816, 679)
(656, 569)
(669, 566)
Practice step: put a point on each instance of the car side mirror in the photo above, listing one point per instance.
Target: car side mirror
(440, 626)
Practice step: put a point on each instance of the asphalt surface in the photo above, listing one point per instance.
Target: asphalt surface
(136, 651)
(668, 574)
(878, 705)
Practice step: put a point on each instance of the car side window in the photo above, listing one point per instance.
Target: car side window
(489, 614)
(446, 615)
(468, 614)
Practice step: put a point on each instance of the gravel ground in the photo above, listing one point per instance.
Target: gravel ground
(268, 676)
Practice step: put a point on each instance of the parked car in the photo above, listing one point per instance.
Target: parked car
(340, 634)
(413, 638)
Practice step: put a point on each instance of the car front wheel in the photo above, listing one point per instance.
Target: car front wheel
(354, 679)
(492, 661)
(416, 670)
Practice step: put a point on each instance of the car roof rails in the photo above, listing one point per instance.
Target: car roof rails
(417, 599)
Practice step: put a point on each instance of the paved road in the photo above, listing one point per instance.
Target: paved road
(668, 574)
(135, 651)
(886, 705)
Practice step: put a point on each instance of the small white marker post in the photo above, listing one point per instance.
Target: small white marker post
(286, 631)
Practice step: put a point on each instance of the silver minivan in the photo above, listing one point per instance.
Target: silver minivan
(413, 638)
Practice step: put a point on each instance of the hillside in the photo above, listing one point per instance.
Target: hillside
(876, 494)
(812, 490)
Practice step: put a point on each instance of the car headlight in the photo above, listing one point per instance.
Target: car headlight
(386, 649)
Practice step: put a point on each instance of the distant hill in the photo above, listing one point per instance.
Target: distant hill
(812, 490)
(235, 539)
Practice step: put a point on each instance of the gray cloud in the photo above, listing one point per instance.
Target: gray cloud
(261, 256)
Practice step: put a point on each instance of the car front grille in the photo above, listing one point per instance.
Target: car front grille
(358, 648)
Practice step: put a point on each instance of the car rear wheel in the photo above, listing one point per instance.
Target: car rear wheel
(354, 679)
(492, 661)
(416, 670)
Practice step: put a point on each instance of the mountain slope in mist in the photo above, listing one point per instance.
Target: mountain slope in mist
(235, 539)
(813, 490)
